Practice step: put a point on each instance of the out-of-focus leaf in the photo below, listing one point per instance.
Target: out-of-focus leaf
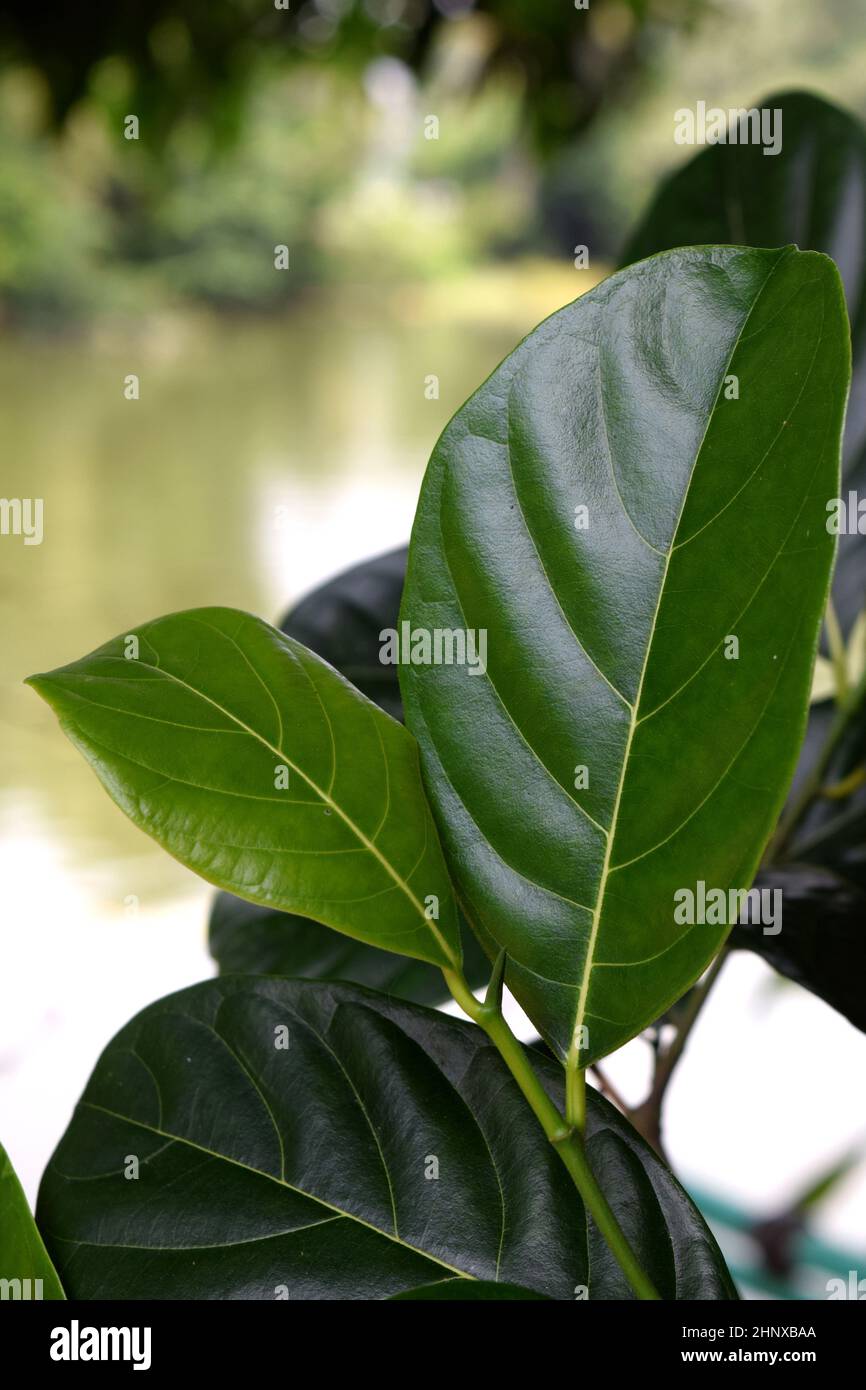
(822, 1187)
(341, 622)
(246, 939)
(257, 765)
(857, 649)
(822, 944)
(813, 193)
(832, 833)
(823, 680)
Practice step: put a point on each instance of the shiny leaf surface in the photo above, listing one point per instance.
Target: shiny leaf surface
(341, 621)
(254, 763)
(618, 750)
(813, 193)
(466, 1291)
(382, 1148)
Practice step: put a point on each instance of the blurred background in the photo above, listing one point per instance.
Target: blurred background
(283, 426)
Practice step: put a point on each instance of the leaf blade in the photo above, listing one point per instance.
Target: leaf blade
(604, 644)
(812, 193)
(821, 945)
(462, 1290)
(245, 939)
(23, 1258)
(341, 621)
(304, 1168)
(192, 741)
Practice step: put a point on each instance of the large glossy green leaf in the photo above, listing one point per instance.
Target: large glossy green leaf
(813, 193)
(26, 1271)
(310, 1170)
(246, 939)
(253, 762)
(607, 647)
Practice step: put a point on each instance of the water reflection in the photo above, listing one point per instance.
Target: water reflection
(259, 459)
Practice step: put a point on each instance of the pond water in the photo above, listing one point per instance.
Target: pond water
(259, 459)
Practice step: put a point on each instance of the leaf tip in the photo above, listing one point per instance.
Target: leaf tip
(45, 688)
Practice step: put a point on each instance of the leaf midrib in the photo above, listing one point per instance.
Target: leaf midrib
(320, 792)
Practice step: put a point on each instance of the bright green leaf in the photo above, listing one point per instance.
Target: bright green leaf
(25, 1268)
(254, 763)
(341, 622)
(632, 508)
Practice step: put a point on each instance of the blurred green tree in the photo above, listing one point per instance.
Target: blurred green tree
(185, 58)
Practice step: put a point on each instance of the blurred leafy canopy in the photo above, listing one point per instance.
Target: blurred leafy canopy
(201, 59)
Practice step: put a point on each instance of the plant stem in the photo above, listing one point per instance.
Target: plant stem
(561, 1135)
(575, 1098)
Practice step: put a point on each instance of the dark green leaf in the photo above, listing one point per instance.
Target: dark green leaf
(253, 762)
(308, 1171)
(245, 939)
(25, 1268)
(813, 193)
(342, 621)
(607, 645)
(822, 944)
